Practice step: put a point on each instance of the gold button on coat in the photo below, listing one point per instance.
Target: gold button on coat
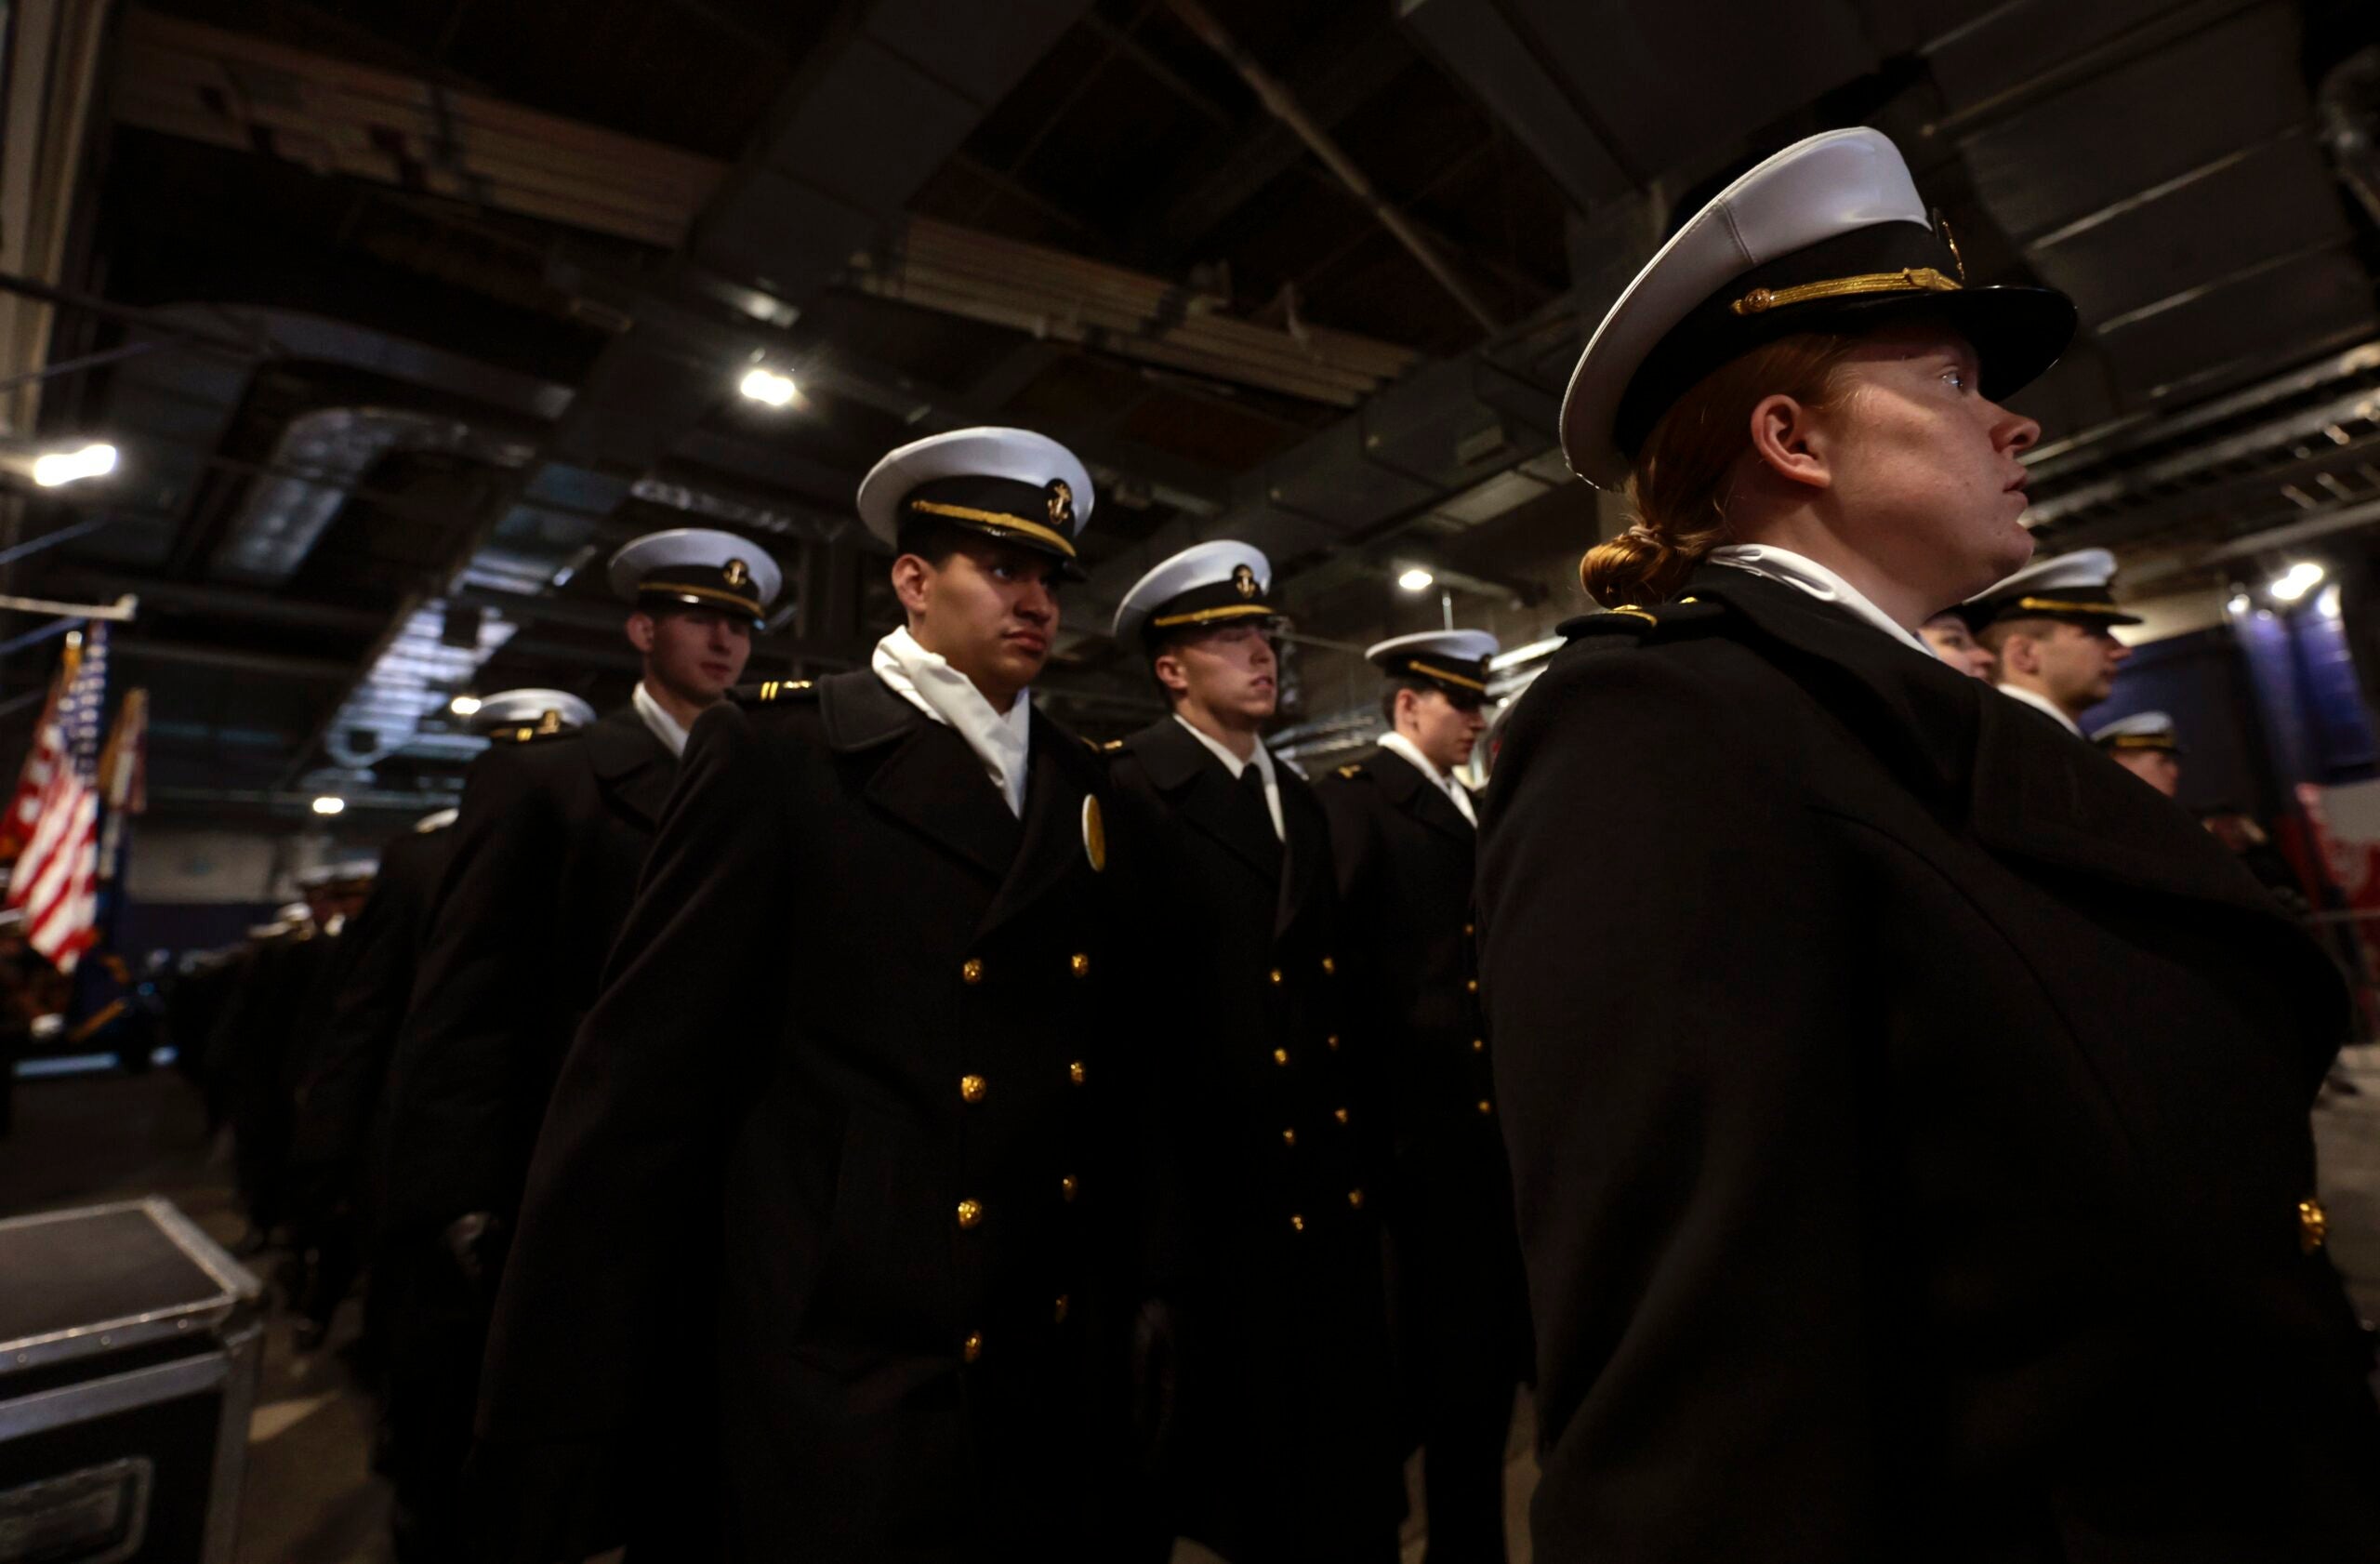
(971, 970)
(1471, 985)
(1485, 1106)
(1332, 1042)
(971, 1088)
(1067, 1187)
(1468, 929)
(1297, 1222)
(1058, 1315)
(1081, 964)
(2313, 1225)
(973, 1348)
(1276, 977)
(970, 1214)
(1280, 1056)
(1356, 1198)
(1289, 1137)
(1328, 966)
(1479, 1045)
(1339, 1114)
(1075, 1072)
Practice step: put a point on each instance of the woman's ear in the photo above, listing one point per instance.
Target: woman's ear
(1787, 439)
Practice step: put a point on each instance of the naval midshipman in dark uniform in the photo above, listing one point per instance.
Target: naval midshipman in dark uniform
(1403, 834)
(553, 827)
(1908, 1119)
(831, 1149)
(1281, 1445)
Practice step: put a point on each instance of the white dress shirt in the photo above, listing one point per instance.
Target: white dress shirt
(1799, 570)
(665, 727)
(2042, 703)
(1232, 763)
(1457, 794)
(926, 680)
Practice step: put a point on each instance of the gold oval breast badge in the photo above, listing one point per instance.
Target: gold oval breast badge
(1094, 834)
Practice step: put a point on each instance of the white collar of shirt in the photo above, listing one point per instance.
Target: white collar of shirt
(2042, 703)
(926, 680)
(1799, 570)
(1459, 796)
(1262, 759)
(665, 727)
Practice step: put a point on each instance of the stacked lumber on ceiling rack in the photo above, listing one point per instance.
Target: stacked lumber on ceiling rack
(236, 90)
(1064, 297)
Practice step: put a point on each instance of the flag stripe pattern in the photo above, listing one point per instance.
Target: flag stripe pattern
(56, 880)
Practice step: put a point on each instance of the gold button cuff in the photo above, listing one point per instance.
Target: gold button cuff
(971, 1088)
(970, 1214)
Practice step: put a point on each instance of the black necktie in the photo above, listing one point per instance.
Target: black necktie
(1251, 793)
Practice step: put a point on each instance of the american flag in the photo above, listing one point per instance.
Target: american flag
(56, 880)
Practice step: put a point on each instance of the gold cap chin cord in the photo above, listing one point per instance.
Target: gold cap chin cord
(1911, 279)
(1208, 615)
(1000, 519)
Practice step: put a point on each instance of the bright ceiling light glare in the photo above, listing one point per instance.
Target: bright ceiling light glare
(67, 467)
(329, 803)
(768, 386)
(2301, 578)
(464, 706)
(2327, 605)
(2240, 603)
(1416, 579)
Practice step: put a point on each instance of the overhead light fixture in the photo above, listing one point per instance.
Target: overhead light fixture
(464, 706)
(2240, 602)
(2300, 578)
(329, 803)
(2327, 605)
(1416, 579)
(768, 386)
(66, 467)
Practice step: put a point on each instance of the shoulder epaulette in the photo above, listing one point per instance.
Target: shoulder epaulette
(1639, 623)
(769, 692)
(1352, 770)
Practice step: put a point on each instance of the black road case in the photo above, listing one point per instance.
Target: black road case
(129, 1345)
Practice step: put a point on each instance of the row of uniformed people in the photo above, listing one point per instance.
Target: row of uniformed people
(975, 1140)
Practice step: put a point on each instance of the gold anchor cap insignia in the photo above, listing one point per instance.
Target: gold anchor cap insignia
(1062, 502)
(736, 574)
(1243, 580)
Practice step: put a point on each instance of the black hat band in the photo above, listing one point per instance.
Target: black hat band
(678, 592)
(1858, 270)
